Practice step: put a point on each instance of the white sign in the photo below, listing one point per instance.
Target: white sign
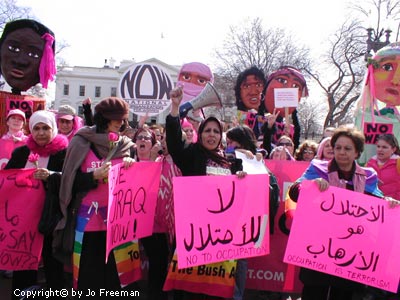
(286, 97)
(146, 88)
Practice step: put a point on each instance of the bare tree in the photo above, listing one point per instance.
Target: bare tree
(379, 10)
(9, 10)
(310, 115)
(341, 72)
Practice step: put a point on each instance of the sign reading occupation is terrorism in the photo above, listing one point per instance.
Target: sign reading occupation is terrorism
(346, 234)
(21, 206)
(219, 218)
(146, 88)
(132, 202)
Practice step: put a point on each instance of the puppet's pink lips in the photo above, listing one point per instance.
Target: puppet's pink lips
(17, 73)
(392, 91)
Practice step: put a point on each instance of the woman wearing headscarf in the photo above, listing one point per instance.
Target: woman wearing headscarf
(84, 197)
(50, 149)
(205, 157)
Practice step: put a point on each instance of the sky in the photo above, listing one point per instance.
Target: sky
(175, 31)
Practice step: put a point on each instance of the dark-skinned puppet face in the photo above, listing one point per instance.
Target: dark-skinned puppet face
(284, 77)
(27, 50)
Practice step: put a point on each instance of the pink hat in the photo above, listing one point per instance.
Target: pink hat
(16, 112)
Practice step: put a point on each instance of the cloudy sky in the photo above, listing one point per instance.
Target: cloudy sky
(174, 31)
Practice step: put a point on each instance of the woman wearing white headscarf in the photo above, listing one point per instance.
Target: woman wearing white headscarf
(50, 149)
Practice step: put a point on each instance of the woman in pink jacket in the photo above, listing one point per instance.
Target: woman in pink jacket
(386, 163)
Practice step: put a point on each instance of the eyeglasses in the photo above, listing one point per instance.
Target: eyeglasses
(308, 152)
(143, 137)
(288, 144)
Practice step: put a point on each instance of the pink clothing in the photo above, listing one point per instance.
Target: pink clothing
(18, 137)
(388, 175)
(164, 220)
(96, 201)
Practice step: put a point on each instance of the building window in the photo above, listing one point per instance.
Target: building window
(113, 92)
(81, 90)
(66, 89)
(97, 91)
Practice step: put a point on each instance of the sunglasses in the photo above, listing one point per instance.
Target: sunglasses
(285, 144)
(143, 137)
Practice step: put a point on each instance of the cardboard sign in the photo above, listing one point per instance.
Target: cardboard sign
(146, 88)
(220, 218)
(354, 237)
(373, 130)
(286, 97)
(132, 202)
(21, 207)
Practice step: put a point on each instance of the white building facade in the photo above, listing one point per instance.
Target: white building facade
(74, 84)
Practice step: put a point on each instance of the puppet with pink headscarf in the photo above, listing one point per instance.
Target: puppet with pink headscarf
(284, 77)
(377, 108)
(193, 77)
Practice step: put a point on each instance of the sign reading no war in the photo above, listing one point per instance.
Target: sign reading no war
(146, 88)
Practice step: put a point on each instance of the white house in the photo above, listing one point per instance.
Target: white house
(74, 84)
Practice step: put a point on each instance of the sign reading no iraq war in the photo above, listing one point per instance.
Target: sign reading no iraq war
(146, 88)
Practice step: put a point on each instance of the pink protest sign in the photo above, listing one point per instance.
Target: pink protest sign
(132, 202)
(269, 272)
(220, 218)
(21, 206)
(6, 148)
(346, 234)
(373, 130)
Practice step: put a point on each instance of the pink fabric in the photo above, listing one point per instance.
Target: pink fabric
(321, 147)
(185, 124)
(199, 68)
(359, 180)
(47, 68)
(164, 220)
(18, 137)
(388, 175)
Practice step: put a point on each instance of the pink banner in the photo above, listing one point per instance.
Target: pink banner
(21, 206)
(132, 202)
(269, 272)
(6, 149)
(354, 238)
(220, 218)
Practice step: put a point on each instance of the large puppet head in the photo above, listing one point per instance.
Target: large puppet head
(249, 88)
(27, 50)
(193, 77)
(284, 77)
(385, 68)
